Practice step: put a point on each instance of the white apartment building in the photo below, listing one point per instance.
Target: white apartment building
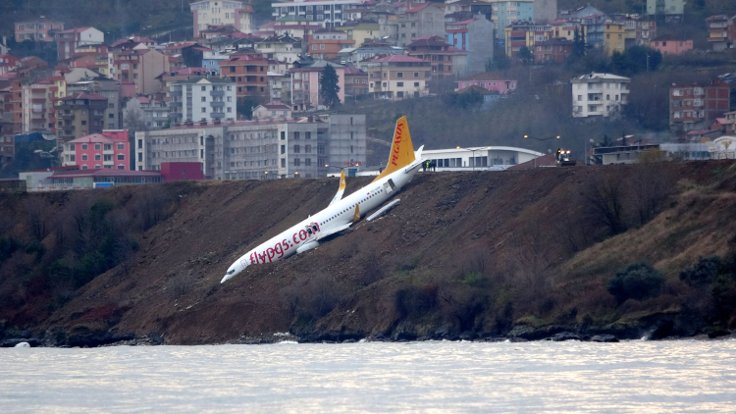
(599, 94)
(397, 77)
(259, 150)
(329, 13)
(202, 100)
(208, 13)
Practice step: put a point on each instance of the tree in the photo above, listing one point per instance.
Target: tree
(329, 88)
(525, 55)
(638, 281)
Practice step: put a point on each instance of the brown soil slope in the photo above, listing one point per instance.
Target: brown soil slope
(473, 255)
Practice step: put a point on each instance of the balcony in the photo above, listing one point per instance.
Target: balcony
(217, 93)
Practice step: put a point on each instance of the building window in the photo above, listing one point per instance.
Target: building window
(308, 162)
(297, 162)
(108, 157)
(297, 149)
(84, 147)
(121, 146)
(98, 157)
(121, 157)
(97, 147)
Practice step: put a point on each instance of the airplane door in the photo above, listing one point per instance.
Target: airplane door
(389, 186)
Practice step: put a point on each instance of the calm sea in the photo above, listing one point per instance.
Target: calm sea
(458, 377)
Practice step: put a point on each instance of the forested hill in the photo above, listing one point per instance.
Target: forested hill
(617, 252)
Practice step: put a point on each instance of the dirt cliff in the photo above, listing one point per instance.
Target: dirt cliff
(525, 254)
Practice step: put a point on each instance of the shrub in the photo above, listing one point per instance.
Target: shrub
(415, 301)
(701, 273)
(638, 281)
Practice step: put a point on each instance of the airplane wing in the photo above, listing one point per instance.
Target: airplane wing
(340, 188)
(329, 232)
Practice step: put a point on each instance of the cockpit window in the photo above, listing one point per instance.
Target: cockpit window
(231, 271)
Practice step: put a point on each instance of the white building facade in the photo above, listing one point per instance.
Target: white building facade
(328, 13)
(202, 100)
(494, 158)
(599, 94)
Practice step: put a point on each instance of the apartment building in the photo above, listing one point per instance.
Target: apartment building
(259, 150)
(505, 12)
(108, 149)
(79, 115)
(475, 37)
(328, 13)
(421, 20)
(396, 77)
(38, 30)
(67, 41)
(599, 94)
(213, 13)
(249, 71)
(203, 100)
(305, 85)
(697, 106)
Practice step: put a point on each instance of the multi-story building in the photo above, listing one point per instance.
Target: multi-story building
(11, 96)
(545, 11)
(325, 44)
(637, 31)
(39, 30)
(721, 30)
(108, 149)
(7, 63)
(697, 106)
(139, 67)
(398, 77)
(143, 113)
(329, 13)
(249, 72)
(613, 38)
(356, 83)
(305, 85)
(39, 112)
(446, 60)
(208, 13)
(284, 48)
(421, 21)
(202, 100)
(110, 89)
(80, 114)
(552, 51)
(67, 41)
(670, 10)
(593, 23)
(259, 150)
(525, 34)
(599, 94)
(368, 50)
(505, 12)
(361, 31)
(474, 36)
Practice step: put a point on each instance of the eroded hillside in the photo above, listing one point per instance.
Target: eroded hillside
(525, 254)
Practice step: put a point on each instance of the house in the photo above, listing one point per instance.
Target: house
(206, 13)
(140, 67)
(552, 51)
(272, 110)
(108, 149)
(599, 94)
(491, 82)
(109, 88)
(356, 82)
(669, 46)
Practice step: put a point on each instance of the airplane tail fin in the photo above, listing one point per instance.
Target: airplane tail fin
(402, 149)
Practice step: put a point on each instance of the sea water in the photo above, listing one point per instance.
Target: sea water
(693, 376)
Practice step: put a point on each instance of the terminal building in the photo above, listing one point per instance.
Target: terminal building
(489, 158)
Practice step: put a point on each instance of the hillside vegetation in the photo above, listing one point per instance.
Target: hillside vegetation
(627, 251)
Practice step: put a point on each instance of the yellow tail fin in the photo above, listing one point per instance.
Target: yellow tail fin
(402, 149)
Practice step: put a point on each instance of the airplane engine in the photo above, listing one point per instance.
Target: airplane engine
(307, 246)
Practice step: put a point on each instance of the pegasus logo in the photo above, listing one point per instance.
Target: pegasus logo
(397, 144)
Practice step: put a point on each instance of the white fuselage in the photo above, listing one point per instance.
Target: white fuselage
(336, 217)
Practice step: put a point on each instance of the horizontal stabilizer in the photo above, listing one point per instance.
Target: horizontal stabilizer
(383, 210)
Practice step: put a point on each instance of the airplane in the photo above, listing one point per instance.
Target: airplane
(403, 162)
